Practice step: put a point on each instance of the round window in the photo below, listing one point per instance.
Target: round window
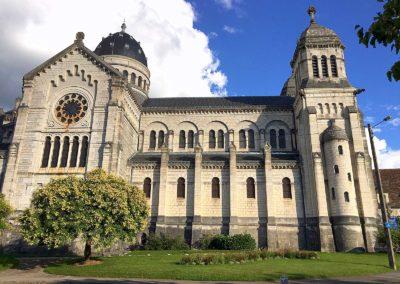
(71, 108)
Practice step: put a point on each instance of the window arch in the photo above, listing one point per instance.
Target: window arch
(144, 84)
(272, 138)
(242, 139)
(46, 152)
(182, 139)
(161, 138)
(335, 107)
(56, 152)
(147, 187)
(221, 139)
(315, 66)
(215, 188)
(336, 169)
(180, 190)
(84, 151)
(333, 193)
(211, 139)
(65, 150)
(287, 188)
(125, 74)
(251, 188)
(346, 196)
(191, 139)
(321, 108)
(328, 109)
(324, 65)
(349, 176)
(340, 149)
(153, 135)
(140, 81)
(74, 152)
(282, 139)
(334, 66)
(133, 78)
(252, 143)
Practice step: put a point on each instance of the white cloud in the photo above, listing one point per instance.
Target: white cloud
(395, 121)
(179, 58)
(387, 158)
(227, 4)
(369, 119)
(230, 30)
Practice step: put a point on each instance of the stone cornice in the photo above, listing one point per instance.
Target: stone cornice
(213, 111)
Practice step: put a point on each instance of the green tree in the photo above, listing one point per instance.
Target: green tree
(381, 237)
(100, 209)
(385, 30)
(5, 211)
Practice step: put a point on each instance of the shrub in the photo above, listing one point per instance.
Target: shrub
(204, 242)
(225, 242)
(381, 238)
(242, 242)
(220, 242)
(5, 211)
(164, 242)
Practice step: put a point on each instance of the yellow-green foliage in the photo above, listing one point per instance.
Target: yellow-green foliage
(99, 208)
(5, 211)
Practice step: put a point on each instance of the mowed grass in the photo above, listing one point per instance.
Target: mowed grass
(7, 262)
(164, 265)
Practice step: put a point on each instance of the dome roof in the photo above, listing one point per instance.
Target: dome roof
(121, 43)
(334, 132)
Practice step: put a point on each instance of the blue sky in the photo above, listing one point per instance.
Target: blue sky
(259, 38)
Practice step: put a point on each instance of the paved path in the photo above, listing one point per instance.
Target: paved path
(30, 270)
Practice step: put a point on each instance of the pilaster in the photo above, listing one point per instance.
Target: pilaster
(272, 236)
(162, 194)
(233, 221)
(197, 208)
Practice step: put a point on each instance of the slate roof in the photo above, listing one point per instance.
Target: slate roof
(391, 185)
(206, 103)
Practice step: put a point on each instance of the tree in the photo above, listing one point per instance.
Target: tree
(5, 211)
(385, 30)
(100, 209)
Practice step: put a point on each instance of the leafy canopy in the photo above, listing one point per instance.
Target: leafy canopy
(385, 30)
(5, 211)
(99, 208)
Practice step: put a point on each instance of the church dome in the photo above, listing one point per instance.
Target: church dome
(121, 43)
(334, 132)
(316, 34)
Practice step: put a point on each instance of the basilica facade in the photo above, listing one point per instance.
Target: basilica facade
(292, 170)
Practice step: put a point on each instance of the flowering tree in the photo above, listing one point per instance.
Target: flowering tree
(100, 209)
(5, 211)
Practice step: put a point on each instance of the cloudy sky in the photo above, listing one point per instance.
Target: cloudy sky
(204, 47)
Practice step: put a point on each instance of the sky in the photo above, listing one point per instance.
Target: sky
(206, 47)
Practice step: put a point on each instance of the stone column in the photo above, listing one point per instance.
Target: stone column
(162, 190)
(105, 165)
(141, 141)
(231, 137)
(51, 151)
(272, 237)
(233, 221)
(197, 210)
(200, 138)
(262, 139)
(71, 141)
(171, 140)
(324, 233)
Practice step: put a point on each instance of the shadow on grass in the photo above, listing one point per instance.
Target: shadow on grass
(8, 261)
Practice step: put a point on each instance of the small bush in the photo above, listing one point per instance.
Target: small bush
(204, 242)
(242, 242)
(164, 242)
(225, 242)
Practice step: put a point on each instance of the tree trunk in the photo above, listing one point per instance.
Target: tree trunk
(88, 250)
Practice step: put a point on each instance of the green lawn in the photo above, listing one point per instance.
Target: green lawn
(164, 265)
(7, 262)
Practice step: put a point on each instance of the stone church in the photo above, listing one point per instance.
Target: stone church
(292, 170)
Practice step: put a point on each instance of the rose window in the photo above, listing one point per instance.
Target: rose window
(71, 108)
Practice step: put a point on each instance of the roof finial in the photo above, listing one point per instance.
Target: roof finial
(311, 11)
(123, 26)
(79, 37)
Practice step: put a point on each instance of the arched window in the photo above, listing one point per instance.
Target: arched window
(147, 187)
(252, 143)
(336, 168)
(321, 108)
(180, 190)
(346, 196)
(315, 66)
(334, 107)
(328, 109)
(251, 188)
(56, 152)
(349, 176)
(340, 149)
(334, 66)
(182, 139)
(125, 74)
(133, 78)
(140, 81)
(144, 84)
(65, 150)
(74, 152)
(221, 140)
(287, 188)
(215, 188)
(161, 137)
(282, 139)
(333, 193)
(84, 152)
(46, 152)
(324, 65)
(190, 139)
(272, 138)
(211, 139)
(152, 144)
(242, 139)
